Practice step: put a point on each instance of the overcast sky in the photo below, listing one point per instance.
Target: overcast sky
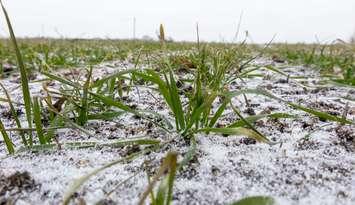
(290, 20)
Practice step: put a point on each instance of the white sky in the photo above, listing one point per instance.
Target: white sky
(290, 20)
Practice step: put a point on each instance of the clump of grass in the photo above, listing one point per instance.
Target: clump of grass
(335, 60)
(198, 115)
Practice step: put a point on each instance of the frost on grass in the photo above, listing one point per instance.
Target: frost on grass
(313, 163)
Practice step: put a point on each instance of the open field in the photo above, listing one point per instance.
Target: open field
(235, 120)
(158, 122)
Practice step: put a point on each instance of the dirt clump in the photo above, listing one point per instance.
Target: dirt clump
(17, 183)
(346, 135)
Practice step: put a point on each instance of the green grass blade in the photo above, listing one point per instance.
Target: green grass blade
(171, 178)
(23, 73)
(38, 121)
(61, 80)
(89, 144)
(166, 186)
(218, 114)
(140, 141)
(51, 131)
(176, 102)
(112, 76)
(14, 114)
(348, 83)
(247, 123)
(254, 118)
(83, 113)
(272, 68)
(204, 107)
(111, 102)
(8, 141)
(319, 114)
(255, 200)
(189, 154)
(161, 193)
(153, 77)
(108, 115)
(239, 131)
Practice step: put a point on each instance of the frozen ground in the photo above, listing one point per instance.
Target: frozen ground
(314, 169)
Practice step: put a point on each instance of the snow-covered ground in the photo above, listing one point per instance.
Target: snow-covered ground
(314, 163)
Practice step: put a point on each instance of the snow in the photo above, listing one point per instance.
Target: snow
(316, 170)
